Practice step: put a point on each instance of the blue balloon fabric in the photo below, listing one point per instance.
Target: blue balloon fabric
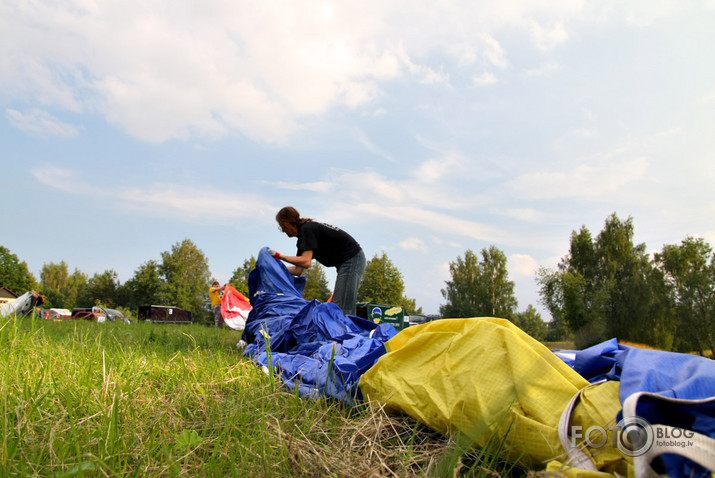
(688, 378)
(312, 346)
(669, 374)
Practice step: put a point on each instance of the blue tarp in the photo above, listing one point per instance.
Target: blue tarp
(311, 345)
(669, 374)
(685, 377)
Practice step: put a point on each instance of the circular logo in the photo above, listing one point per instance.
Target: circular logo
(635, 436)
(376, 314)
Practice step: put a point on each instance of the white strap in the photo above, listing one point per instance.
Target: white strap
(698, 447)
(576, 457)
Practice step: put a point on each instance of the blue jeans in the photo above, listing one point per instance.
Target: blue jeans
(348, 281)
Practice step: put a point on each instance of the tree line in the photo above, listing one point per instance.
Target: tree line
(603, 287)
(180, 279)
(608, 286)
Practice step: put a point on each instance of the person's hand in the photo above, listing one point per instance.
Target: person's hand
(274, 253)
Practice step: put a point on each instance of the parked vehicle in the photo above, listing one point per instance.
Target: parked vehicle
(113, 315)
(55, 314)
(99, 314)
(416, 319)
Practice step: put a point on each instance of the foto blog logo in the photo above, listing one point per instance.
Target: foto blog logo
(632, 436)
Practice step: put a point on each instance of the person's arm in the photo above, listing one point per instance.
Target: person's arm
(295, 270)
(299, 263)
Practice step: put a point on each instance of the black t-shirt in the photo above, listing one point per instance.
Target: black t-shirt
(331, 245)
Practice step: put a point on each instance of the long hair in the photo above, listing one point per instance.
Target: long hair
(291, 215)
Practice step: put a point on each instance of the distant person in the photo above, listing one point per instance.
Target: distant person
(37, 299)
(215, 296)
(329, 245)
(36, 302)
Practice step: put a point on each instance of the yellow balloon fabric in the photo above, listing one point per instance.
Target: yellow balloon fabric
(478, 377)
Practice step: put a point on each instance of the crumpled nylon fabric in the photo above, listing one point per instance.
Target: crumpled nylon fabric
(483, 377)
(235, 308)
(475, 378)
(667, 374)
(311, 345)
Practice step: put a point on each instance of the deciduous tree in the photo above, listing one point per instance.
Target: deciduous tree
(479, 288)
(103, 288)
(316, 283)
(571, 293)
(604, 287)
(530, 322)
(623, 270)
(689, 273)
(62, 289)
(145, 287)
(14, 273)
(239, 279)
(186, 274)
(382, 282)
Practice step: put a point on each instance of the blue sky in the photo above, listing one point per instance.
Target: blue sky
(423, 128)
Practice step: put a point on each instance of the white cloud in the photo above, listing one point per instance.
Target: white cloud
(433, 170)
(445, 224)
(543, 70)
(170, 69)
(355, 184)
(677, 131)
(427, 186)
(178, 201)
(193, 204)
(363, 139)
(493, 52)
(584, 181)
(522, 265)
(64, 180)
(527, 214)
(430, 76)
(485, 79)
(40, 123)
(546, 39)
(316, 186)
(413, 244)
(644, 13)
(165, 69)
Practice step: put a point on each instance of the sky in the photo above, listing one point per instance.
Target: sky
(422, 128)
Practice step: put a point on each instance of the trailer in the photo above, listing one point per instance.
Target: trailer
(55, 314)
(164, 314)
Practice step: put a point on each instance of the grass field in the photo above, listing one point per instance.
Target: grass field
(87, 399)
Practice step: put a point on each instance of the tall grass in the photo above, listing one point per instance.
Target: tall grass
(87, 399)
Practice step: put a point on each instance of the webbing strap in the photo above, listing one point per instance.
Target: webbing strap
(576, 457)
(699, 448)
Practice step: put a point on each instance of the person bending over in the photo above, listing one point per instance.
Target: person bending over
(329, 245)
